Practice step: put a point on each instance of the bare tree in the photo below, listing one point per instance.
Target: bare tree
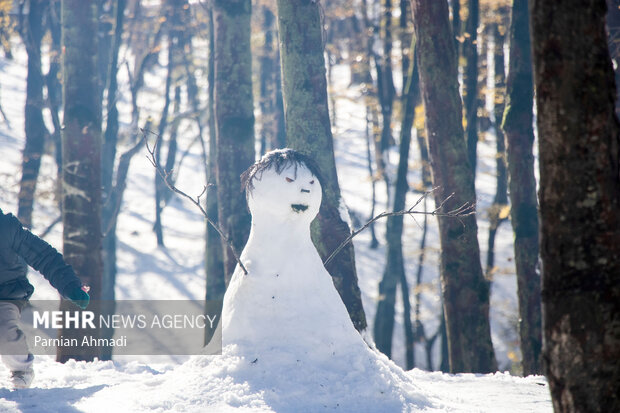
(465, 290)
(36, 131)
(498, 210)
(394, 272)
(518, 127)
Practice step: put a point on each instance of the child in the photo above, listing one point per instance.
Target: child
(19, 247)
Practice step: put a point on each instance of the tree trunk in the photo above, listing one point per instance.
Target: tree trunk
(35, 127)
(234, 119)
(373, 95)
(109, 207)
(419, 329)
(214, 261)
(579, 193)
(267, 83)
(465, 290)
(280, 137)
(456, 24)
(105, 17)
(406, 31)
(81, 141)
(470, 82)
(496, 211)
(54, 89)
(501, 193)
(394, 268)
(308, 131)
(427, 180)
(111, 130)
(613, 40)
(385, 79)
(517, 126)
(171, 155)
(160, 185)
(374, 242)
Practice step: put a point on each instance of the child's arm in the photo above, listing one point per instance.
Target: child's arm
(42, 257)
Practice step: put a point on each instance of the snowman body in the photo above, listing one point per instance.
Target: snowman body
(287, 298)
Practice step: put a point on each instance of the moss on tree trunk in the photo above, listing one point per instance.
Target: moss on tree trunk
(308, 130)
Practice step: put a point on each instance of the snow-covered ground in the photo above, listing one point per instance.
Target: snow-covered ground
(229, 382)
(225, 384)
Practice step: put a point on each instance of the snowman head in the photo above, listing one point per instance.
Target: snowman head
(284, 185)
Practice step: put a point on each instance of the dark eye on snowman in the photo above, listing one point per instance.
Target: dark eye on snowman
(312, 182)
(289, 179)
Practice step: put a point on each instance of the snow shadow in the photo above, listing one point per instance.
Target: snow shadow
(56, 400)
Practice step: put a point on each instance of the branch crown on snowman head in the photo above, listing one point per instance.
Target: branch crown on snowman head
(278, 160)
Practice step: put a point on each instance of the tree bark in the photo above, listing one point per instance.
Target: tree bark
(214, 261)
(385, 78)
(456, 24)
(579, 194)
(268, 68)
(280, 137)
(34, 125)
(110, 203)
(613, 40)
(405, 35)
(105, 17)
(517, 126)
(501, 193)
(496, 211)
(465, 290)
(54, 89)
(81, 141)
(160, 185)
(234, 119)
(470, 82)
(308, 130)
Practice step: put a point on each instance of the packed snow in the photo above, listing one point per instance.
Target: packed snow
(271, 362)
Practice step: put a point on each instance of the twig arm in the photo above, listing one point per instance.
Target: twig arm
(196, 201)
(462, 211)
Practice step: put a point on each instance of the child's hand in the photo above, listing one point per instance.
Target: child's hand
(79, 297)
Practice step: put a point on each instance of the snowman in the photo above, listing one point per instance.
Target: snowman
(287, 300)
(288, 342)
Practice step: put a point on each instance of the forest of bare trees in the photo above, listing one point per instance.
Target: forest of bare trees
(436, 78)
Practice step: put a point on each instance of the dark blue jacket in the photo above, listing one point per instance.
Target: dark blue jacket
(19, 247)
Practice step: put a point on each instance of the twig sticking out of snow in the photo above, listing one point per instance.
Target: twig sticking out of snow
(194, 200)
(462, 211)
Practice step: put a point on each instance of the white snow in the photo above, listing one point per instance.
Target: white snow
(291, 353)
(229, 383)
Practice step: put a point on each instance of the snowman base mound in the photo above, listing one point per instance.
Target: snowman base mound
(281, 380)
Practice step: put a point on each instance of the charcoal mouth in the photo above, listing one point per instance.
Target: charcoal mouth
(299, 207)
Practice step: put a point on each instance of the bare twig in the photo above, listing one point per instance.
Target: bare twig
(462, 211)
(50, 226)
(194, 200)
